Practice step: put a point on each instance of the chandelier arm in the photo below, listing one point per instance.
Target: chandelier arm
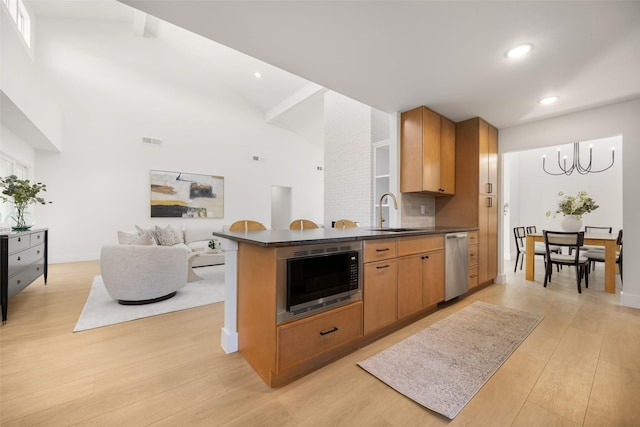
(544, 168)
(608, 167)
(577, 165)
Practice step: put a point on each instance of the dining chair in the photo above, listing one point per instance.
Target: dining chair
(519, 233)
(302, 224)
(597, 255)
(345, 223)
(590, 229)
(246, 225)
(539, 246)
(573, 241)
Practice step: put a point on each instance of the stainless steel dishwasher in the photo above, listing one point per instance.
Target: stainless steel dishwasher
(456, 261)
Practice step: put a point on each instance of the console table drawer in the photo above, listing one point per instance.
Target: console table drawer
(20, 260)
(19, 243)
(24, 278)
(306, 338)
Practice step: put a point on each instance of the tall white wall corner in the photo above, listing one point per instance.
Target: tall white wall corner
(229, 332)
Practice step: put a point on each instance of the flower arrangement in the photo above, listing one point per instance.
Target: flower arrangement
(22, 193)
(578, 205)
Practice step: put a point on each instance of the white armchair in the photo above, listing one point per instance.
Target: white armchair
(143, 274)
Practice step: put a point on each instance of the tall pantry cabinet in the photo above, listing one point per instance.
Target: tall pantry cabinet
(475, 203)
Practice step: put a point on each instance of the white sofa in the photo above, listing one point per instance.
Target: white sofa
(192, 240)
(143, 274)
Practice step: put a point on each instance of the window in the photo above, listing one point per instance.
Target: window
(10, 167)
(21, 17)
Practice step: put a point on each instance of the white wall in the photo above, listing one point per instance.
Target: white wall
(24, 84)
(348, 160)
(532, 192)
(616, 119)
(115, 88)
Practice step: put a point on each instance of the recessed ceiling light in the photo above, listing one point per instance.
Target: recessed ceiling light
(257, 74)
(519, 51)
(549, 100)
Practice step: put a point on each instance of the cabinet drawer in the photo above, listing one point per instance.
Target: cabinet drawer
(473, 277)
(306, 338)
(24, 278)
(376, 250)
(472, 238)
(473, 255)
(20, 260)
(19, 243)
(420, 244)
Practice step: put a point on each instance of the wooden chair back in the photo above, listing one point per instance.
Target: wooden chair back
(246, 225)
(302, 224)
(345, 223)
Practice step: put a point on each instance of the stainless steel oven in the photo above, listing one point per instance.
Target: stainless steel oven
(314, 278)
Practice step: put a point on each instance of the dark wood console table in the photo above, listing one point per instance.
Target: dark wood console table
(23, 258)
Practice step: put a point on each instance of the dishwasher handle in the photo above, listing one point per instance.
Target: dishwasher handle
(456, 235)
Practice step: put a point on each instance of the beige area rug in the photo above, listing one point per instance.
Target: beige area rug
(102, 310)
(443, 366)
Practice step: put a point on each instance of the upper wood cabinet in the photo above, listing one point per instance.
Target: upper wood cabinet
(427, 152)
(475, 203)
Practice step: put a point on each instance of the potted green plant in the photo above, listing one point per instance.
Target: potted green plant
(21, 193)
(572, 208)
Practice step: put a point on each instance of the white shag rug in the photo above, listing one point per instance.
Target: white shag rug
(443, 366)
(102, 310)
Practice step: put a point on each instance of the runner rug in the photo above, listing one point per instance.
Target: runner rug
(443, 366)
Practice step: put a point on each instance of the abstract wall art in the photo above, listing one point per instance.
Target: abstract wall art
(186, 195)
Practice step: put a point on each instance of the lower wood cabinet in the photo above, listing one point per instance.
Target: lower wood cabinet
(472, 262)
(420, 282)
(380, 297)
(307, 338)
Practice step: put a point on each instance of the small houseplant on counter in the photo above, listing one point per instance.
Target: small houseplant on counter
(572, 208)
(22, 193)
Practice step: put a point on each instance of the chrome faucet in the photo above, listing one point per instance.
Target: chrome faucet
(395, 204)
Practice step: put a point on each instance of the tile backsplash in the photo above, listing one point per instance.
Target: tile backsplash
(413, 206)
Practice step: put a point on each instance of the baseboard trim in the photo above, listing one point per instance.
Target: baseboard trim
(629, 300)
(228, 341)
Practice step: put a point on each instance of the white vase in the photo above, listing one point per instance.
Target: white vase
(571, 223)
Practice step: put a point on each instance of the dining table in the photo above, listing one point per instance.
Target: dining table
(607, 240)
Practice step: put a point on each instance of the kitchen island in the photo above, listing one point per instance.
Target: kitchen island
(401, 276)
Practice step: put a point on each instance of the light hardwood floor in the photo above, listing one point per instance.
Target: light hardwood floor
(580, 366)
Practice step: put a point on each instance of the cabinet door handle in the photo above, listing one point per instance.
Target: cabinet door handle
(334, 329)
(382, 266)
(19, 259)
(489, 202)
(18, 282)
(382, 250)
(425, 257)
(19, 239)
(489, 188)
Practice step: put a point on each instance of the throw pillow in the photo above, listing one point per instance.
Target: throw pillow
(145, 240)
(167, 236)
(125, 238)
(151, 231)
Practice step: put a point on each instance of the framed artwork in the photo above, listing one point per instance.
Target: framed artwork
(186, 195)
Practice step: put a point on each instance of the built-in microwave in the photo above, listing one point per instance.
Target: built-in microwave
(314, 278)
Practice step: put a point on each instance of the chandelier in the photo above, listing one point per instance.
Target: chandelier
(576, 165)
